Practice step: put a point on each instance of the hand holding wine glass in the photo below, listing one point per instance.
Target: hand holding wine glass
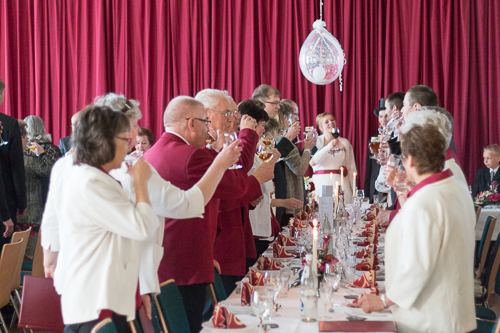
(229, 138)
(293, 131)
(247, 122)
(229, 155)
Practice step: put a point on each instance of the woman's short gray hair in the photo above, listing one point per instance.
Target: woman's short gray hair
(36, 129)
(426, 116)
(210, 97)
(115, 102)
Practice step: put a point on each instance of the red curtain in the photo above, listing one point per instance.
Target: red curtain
(57, 56)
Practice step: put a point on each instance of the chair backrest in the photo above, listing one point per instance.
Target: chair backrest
(37, 269)
(23, 236)
(490, 278)
(8, 262)
(484, 245)
(217, 289)
(104, 326)
(478, 209)
(496, 327)
(171, 308)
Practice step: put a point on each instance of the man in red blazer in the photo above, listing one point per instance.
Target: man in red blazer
(180, 158)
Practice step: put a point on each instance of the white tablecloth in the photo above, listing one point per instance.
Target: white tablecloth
(485, 212)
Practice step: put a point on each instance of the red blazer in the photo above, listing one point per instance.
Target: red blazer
(234, 241)
(188, 243)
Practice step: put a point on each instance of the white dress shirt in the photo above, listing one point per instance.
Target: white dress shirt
(260, 216)
(167, 200)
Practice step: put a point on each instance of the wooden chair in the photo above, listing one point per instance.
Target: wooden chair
(217, 289)
(35, 267)
(104, 326)
(15, 297)
(484, 244)
(489, 281)
(171, 309)
(8, 262)
(478, 209)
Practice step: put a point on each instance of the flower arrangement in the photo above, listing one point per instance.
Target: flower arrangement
(309, 187)
(490, 197)
(324, 256)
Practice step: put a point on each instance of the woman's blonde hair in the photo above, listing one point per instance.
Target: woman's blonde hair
(320, 117)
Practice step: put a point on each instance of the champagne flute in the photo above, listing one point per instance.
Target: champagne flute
(325, 294)
(229, 138)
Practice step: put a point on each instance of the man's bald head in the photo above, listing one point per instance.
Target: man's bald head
(180, 108)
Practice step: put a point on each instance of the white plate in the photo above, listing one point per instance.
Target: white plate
(360, 312)
(209, 325)
(291, 248)
(357, 291)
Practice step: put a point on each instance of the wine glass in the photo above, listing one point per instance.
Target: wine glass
(229, 138)
(273, 285)
(400, 179)
(325, 294)
(212, 137)
(383, 155)
(260, 302)
(360, 194)
(285, 273)
(300, 240)
(374, 145)
(265, 151)
(392, 161)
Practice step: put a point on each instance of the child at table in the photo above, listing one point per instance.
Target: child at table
(484, 176)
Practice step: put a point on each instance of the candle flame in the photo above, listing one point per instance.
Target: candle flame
(315, 222)
(354, 174)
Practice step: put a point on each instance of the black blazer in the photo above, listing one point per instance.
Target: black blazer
(284, 147)
(12, 164)
(483, 182)
(65, 145)
(371, 174)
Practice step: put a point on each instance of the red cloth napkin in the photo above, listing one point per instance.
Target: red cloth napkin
(285, 241)
(372, 239)
(280, 252)
(256, 279)
(246, 293)
(372, 291)
(370, 262)
(366, 281)
(224, 319)
(267, 264)
(302, 215)
(297, 223)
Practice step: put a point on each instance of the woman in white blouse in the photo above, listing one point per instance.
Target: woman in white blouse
(92, 225)
(333, 153)
(429, 248)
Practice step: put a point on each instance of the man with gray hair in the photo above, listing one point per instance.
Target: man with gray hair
(220, 112)
(13, 203)
(179, 156)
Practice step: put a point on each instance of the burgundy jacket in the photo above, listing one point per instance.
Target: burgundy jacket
(188, 243)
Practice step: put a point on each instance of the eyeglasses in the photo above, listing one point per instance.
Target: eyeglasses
(226, 113)
(206, 121)
(129, 140)
(274, 103)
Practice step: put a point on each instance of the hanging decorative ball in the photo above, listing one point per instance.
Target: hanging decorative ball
(321, 57)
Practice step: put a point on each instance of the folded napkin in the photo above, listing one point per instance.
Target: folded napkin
(297, 223)
(256, 279)
(368, 250)
(285, 241)
(267, 264)
(280, 252)
(246, 293)
(372, 239)
(308, 209)
(292, 230)
(224, 319)
(302, 215)
(369, 263)
(372, 291)
(366, 281)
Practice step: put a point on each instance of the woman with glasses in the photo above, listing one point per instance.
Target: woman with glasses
(91, 230)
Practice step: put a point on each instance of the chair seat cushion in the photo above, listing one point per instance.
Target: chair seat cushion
(485, 313)
(483, 326)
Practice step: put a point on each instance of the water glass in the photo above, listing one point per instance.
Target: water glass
(325, 294)
(261, 303)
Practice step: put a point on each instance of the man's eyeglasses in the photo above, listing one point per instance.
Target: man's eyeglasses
(274, 103)
(206, 121)
(227, 113)
(129, 140)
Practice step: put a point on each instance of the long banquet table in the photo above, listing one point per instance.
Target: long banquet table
(289, 313)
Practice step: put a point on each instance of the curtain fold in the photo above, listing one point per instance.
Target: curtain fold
(57, 56)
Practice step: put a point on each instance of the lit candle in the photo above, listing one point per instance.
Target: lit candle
(331, 178)
(315, 246)
(336, 198)
(353, 184)
(342, 178)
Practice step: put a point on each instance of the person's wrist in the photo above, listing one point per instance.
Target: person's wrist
(382, 298)
(307, 149)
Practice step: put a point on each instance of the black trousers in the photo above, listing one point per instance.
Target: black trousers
(229, 282)
(193, 297)
(120, 322)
